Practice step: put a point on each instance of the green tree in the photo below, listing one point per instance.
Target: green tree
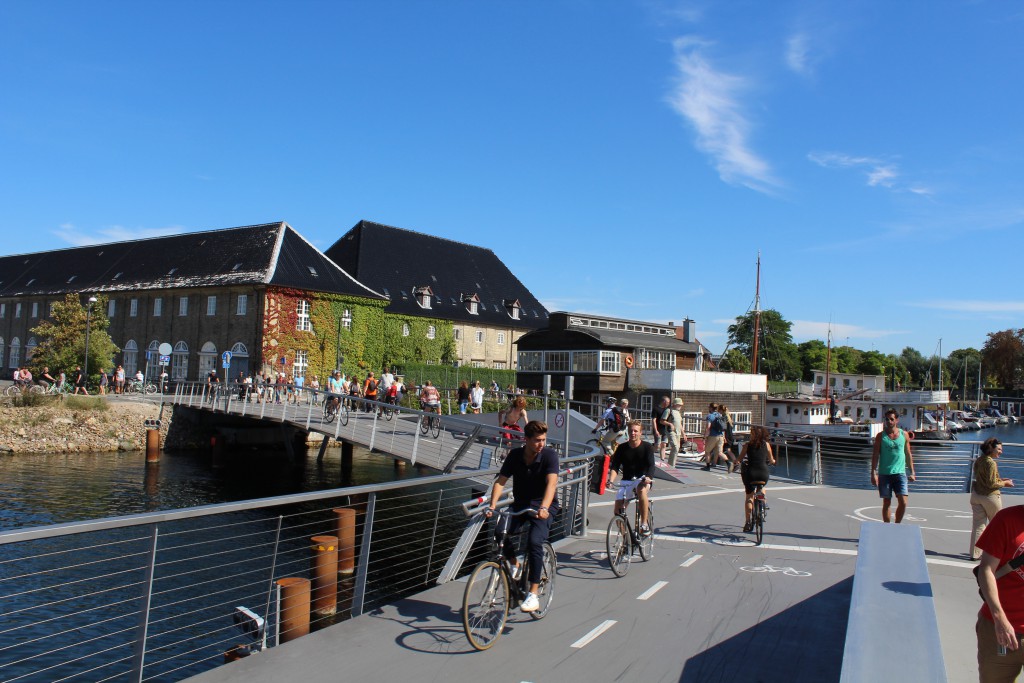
(916, 366)
(1003, 355)
(777, 355)
(734, 361)
(872, 363)
(61, 340)
(847, 359)
(813, 356)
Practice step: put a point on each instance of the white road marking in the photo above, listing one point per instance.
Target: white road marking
(796, 501)
(691, 561)
(585, 640)
(652, 590)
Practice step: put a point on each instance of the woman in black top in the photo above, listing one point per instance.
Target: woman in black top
(463, 397)
(757, 456)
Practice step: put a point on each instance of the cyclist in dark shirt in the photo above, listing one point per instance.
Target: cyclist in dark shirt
(636, 460)
(533, 469)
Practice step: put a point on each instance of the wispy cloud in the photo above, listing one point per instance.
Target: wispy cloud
(711, 101)
(878, 172)
(798, 53)
(972, 305)
(810, 329)
(114, 233)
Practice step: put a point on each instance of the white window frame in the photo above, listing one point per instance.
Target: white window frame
(611, 362)
(431, 332)
(35, 309)
(479, 337)
(557, 361)
(17, 310)
(158, 306)
(130, 358)
(531, 361)
(501, 339)
(301, 363)
(405, 329)
(133, 308)
(585, 361)
(302, 322)
(3, 310)
(179, 361)
(15, 351)
(111, 307)
(346, 319)
(211, 305)
(182, 305)
(242, 304)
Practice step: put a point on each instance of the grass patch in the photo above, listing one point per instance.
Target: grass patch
(33, 400)
(86, 403)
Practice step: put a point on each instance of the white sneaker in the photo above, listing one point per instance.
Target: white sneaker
(530, 604)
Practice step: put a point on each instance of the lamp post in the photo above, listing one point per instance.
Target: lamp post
(88, 313)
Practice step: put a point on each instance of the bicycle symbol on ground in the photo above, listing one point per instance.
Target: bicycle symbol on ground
(767, 568)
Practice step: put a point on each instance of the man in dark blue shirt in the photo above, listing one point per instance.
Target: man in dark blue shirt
(533, 469)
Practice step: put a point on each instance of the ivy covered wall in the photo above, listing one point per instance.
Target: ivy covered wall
(374, 338)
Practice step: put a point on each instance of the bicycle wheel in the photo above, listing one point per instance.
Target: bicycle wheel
(425, 425)
(36, 389)
(647, 542)
(595, 443)
(620, 547)
(12, 390)
(546, 589)
(151, 389)
(343, 412)
(389, 412)
(758, 519)
(435, 426)
(330, 412)
(485, 605)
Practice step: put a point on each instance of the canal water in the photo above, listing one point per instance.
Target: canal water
(47, 488)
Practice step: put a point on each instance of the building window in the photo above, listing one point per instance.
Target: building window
(584, 361)
(179, 361)
(207, 359)
(133, 307)
(158, 306)
(153, 368)
(530, 361)
(17, 310)
(513, 308)
(477, 363)
(501, 338)
(479, 337)
(1, 351)
(611, 361)
(655, 360)
(431, 332)
(243, 304)
(15, 358)
(346, 319)
(405, 329)
(30, 349)
(3, 310)
(499, 365)
(556, 361)
(301, 363)
(211, 305)
(423, 295)
(472, 302)
(457, 333)
(303, 323)
(35, 309)
(183, 305)
(130, 357)
(111, 307)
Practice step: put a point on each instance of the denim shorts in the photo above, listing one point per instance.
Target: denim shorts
(889, 484)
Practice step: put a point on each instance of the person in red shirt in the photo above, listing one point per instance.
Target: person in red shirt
(1001, 579)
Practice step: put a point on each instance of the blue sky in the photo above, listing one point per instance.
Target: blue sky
(622, 158)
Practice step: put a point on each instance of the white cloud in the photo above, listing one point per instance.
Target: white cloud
(972, 305)
(114, 233)
(810, 329)
(797, 53)
(710, 100)
(879, 172)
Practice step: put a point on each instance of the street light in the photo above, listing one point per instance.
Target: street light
(88, 313)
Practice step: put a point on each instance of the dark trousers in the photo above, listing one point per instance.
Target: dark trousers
(535, 538)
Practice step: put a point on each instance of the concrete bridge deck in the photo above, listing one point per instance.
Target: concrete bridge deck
(709, 607)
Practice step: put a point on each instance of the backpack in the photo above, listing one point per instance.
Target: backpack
(618, 421)
(721, 424)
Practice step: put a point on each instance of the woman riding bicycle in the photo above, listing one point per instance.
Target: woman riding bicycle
(636, 460)
(756, 457)
(509, 419)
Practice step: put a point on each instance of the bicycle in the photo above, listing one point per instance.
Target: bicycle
(431, 423)
(494, 588)
(622, 537)
(55, 389)
(760, 512)
(388, 409)
(333, 410)
(137, 386)
(599, 442)
(20, 389)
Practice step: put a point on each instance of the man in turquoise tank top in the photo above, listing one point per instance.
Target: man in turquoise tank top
(889, 462)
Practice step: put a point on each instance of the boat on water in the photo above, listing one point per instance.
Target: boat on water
(845, 411)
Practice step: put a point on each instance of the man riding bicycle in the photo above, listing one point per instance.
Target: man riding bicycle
(613, 422)
(636, 460)
(533, 469)
(430, 400)
(335, 387)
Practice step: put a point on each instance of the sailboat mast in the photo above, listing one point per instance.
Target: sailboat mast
(757, 314)
(940, 363)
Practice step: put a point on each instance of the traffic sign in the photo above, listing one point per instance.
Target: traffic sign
(165, 360)
(164, 349)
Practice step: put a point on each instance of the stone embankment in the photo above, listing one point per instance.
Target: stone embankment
(67, 427)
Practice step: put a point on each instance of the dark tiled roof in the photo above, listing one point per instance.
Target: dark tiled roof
(560, 328)
(396, 262)
(272, 253)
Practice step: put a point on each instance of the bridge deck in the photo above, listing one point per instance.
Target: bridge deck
(710, 606)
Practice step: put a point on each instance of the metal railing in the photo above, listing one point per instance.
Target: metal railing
(153, 596)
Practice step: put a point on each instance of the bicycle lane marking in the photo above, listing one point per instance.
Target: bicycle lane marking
(795, 501)
(647, 594)
(691, 560)
(597, 631)
(697, 494)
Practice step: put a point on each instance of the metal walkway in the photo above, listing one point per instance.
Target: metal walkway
(709, 607)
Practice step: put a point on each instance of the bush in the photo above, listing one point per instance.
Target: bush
(33, 400)
(86, 403)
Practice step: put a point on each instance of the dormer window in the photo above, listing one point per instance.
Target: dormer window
(71, 278)
(312, 271)
(423, 296)
(472, 302)
(513, 307)
(235, 267)
(172, 271)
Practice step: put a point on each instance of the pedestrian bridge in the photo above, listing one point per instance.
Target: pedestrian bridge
(463, 443)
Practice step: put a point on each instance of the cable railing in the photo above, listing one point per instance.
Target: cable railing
(159, 596)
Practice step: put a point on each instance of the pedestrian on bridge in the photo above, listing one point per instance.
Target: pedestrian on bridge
(889, 462)
(986, 491)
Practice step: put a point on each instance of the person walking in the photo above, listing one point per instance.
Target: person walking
(80, 381)
(463, 397)
(476, 397)
(986, 494)
(661, 423)
(714, 434)
(889, 462)
(729, 445)
(676, 434)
